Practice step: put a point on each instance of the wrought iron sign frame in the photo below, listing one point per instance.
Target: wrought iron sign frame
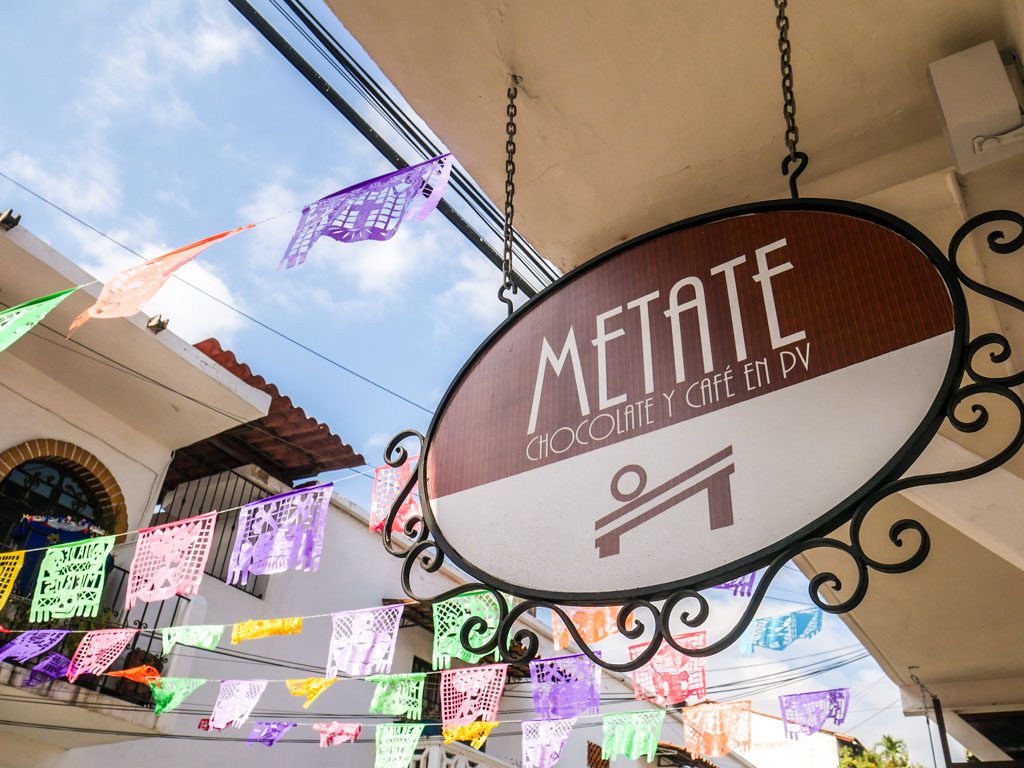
(957, 403)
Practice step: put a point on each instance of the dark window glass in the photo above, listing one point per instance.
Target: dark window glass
(44, 488)
(431, 697)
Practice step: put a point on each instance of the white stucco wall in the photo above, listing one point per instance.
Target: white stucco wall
(33, 406)
(771, 749)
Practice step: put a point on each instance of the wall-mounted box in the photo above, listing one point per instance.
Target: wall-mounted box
(980, 113)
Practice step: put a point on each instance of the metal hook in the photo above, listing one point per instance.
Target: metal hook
(802, 160)
(505, 300)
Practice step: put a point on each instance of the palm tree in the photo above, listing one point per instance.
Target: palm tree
(889, 752)
(893, 752)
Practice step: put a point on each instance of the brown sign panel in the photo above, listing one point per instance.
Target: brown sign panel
(678, 404)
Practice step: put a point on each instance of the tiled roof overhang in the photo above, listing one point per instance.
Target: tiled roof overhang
(286, 442)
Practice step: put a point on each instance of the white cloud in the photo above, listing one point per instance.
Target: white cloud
(474, 295)
(87, 183)
(137, 74)
(381, 270)
(140, 68)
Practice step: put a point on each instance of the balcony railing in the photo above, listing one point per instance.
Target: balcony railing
(146, 647)
(223, 490)
(454, 755)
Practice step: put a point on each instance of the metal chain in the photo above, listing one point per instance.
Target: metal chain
(507, 283)
(788, 99)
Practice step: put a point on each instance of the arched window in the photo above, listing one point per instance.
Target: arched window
(46, 488)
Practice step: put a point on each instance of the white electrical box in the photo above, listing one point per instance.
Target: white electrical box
(980, 114)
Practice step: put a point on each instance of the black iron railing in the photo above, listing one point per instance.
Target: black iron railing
(146, 646)
(223, 490)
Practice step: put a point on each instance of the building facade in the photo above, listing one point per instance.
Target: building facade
(661, 111)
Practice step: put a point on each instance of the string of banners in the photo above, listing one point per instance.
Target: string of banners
(370, 210)
(363, 641)
(286, 532)
(362, 644)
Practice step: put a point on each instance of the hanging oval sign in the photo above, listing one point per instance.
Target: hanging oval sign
(681, 409)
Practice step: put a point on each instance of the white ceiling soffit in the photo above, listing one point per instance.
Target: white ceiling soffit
(636, 115)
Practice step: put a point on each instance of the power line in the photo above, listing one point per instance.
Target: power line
(369, 716)
(120, 367)
(322, 41)
(869, 719)
(227, 305)
(300, 716)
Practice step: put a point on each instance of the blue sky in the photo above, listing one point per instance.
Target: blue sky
(164, 121)
(160, 123)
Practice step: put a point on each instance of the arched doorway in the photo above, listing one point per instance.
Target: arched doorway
(53, 492)
(56, 479)
(47, 489)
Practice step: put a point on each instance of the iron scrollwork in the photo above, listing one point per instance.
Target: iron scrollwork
(963, 411)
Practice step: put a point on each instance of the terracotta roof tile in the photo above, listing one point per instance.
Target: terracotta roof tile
(287, 443)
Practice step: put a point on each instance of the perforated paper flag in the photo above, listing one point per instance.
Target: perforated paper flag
(593, 623)
(169, 559)
(10, 565)
(475, 733)
(53, 666)
(126, 292)
(71, 578)
(310, 687)
(543, 741)
(235, 702)
(632, 734)
(388, 482)
(363, 642)
(671, 677)
(565, 687)
(805, 713)
(334, 733)
(268, 733)
(398, 695)
(779, 632)
(741, 587)
(471, 694)
(257, 628)
(370, 210)
(449, 618)
(205, 636)
(32, 643)
(169, 692)
(396, 744)
(18, 320)
(280, 533)
(98, 651)
(141, 674)
(717, 729)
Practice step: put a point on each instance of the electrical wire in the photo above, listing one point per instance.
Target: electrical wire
(326, 43)
(118, 366)
(186, 737)
(774, 682)
(222, 302)
(869, 719)
(185, 709)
